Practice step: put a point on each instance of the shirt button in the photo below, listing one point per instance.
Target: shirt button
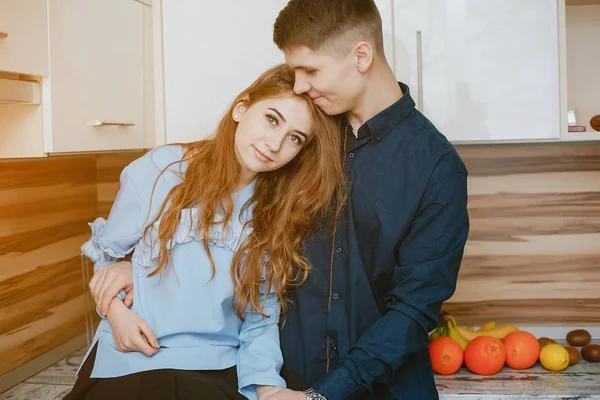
(351, 155)
(338, 250)
(378, 137)
(336, 296)
(333, 347)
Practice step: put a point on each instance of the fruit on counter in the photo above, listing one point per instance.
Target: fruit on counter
(497, 332)
(485, 355)
(574, 355)
(522, 349)
(579, 337)
(554, 357)
(543, 341)
(487, 326)
(484, 327)
(591, 352)
(447, 328)
(446, 355)
(439, 331)
(452, 329)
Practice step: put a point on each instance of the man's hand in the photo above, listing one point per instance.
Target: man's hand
(110, 280)
(278, 393)
(130, 331)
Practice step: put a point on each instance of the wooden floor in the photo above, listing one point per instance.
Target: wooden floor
(51, 384)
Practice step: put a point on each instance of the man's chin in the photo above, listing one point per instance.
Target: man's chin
(331, 111)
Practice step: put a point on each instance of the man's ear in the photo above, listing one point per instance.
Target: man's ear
(363, 54)
(239, 109)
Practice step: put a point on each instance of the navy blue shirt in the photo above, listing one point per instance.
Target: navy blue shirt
(358, 327)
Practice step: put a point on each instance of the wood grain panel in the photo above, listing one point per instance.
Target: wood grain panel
(533, 254)
(109, 167)
(548, 312)
(45, 205)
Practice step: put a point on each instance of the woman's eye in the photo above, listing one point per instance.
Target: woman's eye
(295, 139)
(272, 120)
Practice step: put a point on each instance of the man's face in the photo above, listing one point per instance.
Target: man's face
(332, 81)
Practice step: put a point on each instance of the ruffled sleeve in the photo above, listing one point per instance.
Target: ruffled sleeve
(115, 237)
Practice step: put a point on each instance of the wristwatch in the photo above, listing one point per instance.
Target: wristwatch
(312, 395)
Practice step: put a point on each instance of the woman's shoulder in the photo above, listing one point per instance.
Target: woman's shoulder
(153, 162)
(161, 161)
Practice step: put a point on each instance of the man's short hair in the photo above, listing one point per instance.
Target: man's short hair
(334, 25)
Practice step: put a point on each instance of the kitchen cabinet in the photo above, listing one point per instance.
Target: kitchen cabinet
(24, 36)
(96, 87)
(98, 94)
(211, 51)
(482, 71)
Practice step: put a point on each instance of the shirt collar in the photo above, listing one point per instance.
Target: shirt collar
(383, 123)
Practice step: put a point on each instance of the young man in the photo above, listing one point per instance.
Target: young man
(358, 327)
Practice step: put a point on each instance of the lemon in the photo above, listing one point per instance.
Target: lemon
(554, 357)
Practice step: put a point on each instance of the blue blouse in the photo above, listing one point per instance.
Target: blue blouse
(190, 313)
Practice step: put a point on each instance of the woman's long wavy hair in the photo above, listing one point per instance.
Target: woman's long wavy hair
(286, 203)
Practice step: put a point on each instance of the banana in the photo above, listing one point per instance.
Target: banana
(498, 333)
(439, 331)
(487, 326)
(453, 333)
(470, 328)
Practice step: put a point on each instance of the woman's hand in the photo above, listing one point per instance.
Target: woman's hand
(108, 281)
(130, 331)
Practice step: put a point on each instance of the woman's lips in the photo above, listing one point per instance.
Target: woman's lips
(261, 156)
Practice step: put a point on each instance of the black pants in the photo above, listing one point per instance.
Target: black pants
(165, 384)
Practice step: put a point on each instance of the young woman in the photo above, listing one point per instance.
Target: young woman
(215, 228)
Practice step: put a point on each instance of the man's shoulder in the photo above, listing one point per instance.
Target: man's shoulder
(423, 145)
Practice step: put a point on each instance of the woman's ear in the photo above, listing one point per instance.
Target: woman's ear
(238, 110)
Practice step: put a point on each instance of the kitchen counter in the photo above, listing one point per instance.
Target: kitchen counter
(581, 381)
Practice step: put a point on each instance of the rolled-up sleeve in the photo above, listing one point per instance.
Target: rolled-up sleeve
(259, 357)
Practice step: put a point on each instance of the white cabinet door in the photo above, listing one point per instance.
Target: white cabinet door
(24, 36)
(385, 8)
(212, 50)
(489, 69)
(96, 74)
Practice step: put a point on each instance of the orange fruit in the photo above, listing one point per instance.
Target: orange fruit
(522, 349)
(485, 355)
(446, 355)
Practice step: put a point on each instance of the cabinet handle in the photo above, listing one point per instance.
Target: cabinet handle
(419, 72)
(3, 35)
(102, 123)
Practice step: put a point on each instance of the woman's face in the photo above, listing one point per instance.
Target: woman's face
(271, 133)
